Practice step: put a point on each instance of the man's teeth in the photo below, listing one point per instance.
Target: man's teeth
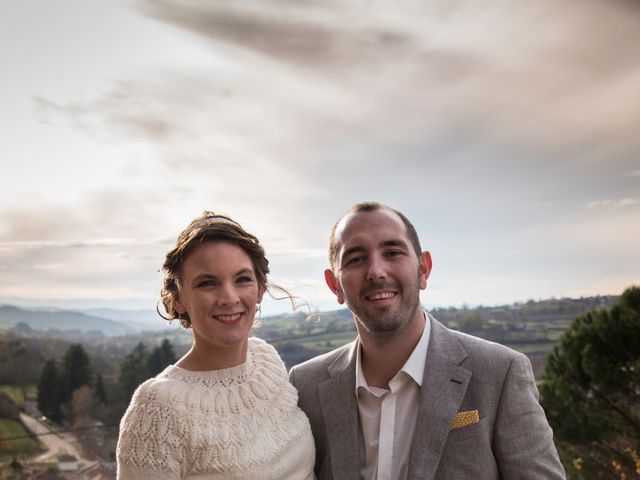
(229, 318)
(381, 296)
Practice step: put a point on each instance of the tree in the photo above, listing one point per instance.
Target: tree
(76, 370)
(100, 393)
(591, 392)
(50, 391)
(133, 372)
(82, 406)
(473, 321)
(160, 357)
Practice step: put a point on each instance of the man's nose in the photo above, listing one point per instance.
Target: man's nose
(377, 269)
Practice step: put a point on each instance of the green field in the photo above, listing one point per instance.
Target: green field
(327, 340)
(16, 393)
(529, 347)
(23, 446)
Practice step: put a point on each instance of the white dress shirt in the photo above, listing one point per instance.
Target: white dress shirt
(388, 417)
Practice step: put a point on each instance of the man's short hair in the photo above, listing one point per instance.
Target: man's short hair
(372, 207)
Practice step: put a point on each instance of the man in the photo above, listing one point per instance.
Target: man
(409, 398)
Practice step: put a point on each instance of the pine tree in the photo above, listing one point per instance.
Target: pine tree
(160, 357)
(100, 393)
(133, 371)
(591, 392)
(76, 370)
(50, 391)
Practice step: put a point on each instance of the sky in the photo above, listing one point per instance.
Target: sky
(507, 132)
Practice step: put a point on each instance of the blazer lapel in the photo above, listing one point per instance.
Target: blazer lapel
(443, 388)
(340, 411)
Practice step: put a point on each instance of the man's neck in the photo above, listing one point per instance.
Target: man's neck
(382, 356)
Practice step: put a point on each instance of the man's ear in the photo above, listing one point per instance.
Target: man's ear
(425, 268)
(334, 285)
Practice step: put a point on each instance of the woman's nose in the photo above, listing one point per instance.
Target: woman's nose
(228, 296)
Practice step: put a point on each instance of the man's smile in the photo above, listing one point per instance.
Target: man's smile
(380, 296)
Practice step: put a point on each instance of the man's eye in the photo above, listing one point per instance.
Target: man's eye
(354, 260)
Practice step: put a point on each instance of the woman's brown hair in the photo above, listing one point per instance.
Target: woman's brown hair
(209, 227)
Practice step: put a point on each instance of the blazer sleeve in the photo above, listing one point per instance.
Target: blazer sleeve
(523, 442)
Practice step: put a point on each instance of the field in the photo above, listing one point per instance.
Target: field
(20, 447)
(17, 394)
(531, 347)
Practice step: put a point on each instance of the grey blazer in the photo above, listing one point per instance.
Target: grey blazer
(512, 439)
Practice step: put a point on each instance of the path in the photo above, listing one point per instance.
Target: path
(55, 443)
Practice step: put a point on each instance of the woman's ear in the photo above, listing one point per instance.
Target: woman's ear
(177, 304)
(261, 291)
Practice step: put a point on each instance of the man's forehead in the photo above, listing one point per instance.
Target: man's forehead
(354, 222)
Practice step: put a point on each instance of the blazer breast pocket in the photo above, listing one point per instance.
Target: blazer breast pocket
(467, 432)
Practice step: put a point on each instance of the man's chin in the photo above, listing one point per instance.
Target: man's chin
(380, 324)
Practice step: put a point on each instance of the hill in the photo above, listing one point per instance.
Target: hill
(135, 319)
(59, 320)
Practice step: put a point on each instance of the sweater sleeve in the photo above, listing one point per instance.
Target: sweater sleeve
(152, 440)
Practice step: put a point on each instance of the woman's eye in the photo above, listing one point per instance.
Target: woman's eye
(244, 279)
(206, 283)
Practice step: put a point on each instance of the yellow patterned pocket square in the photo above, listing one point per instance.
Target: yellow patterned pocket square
(463, 419)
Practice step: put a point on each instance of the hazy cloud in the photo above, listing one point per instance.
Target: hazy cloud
(619, 203)
(496, 128)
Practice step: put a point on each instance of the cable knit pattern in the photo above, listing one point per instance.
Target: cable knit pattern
(238, 423)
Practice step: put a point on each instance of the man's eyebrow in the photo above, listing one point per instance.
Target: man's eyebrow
(394, 243)
(352, 250)
(385, 243)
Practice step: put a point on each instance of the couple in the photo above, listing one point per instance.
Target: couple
(409, 399)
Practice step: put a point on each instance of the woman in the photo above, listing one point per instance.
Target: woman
(226, 409)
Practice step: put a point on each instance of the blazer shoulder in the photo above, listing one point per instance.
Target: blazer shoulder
(479, 348)
(317, 367)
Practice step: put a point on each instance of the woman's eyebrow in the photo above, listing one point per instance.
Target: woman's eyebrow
(244, 271)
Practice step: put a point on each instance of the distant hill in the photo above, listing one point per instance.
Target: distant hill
(484, 321)
(61, 320)
(558, 311)
(135, 319)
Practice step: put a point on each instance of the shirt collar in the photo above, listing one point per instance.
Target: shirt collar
(414, 366)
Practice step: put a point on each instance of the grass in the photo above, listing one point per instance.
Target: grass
(17, 394)
(529, 347)
(327, 340)
(10, 448)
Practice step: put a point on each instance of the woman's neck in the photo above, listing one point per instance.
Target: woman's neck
(201, 358)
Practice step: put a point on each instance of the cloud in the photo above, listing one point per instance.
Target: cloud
(486, 124)
(635, 173)
(619, 203)
(301, 96)
(489, 74)
(73, 244)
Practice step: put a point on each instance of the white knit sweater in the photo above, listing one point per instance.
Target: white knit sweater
(237, 423)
